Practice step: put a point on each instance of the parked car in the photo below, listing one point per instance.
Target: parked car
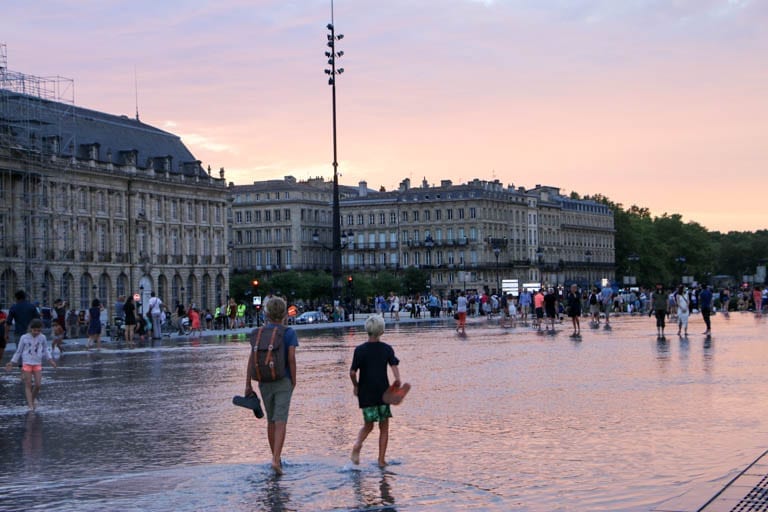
(310, 317)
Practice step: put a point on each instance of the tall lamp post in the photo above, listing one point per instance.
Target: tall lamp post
(332, 55)
(497, 245)
(588, 259)
(340, 241)
(429, 244)
(540, 263)
(631, 279)
(681, 262)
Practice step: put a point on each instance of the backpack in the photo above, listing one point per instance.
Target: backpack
(593, 299)
(267, 362)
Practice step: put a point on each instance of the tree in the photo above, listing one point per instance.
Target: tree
(415, 281)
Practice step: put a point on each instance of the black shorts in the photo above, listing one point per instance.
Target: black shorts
(539, 312)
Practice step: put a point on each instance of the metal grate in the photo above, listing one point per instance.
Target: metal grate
(756, 499)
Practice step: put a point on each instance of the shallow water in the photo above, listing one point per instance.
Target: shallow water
(504, 419)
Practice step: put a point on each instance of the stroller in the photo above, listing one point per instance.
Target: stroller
(117, 330)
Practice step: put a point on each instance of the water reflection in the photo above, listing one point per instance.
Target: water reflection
(271, 496)
(500, 420)
(373, 491)
(32, 442)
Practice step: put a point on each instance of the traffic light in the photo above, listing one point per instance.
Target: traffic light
(255, 283)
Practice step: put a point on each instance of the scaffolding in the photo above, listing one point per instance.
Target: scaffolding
(37, 114)
(37, 125)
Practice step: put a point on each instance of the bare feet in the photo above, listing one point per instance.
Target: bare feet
(355, 456)
(382, 463)
(277, 468)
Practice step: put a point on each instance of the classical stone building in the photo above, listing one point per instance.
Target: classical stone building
(272, 224)
(467, 236)
(94, 205)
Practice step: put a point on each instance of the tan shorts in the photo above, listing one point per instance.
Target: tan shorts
(277, 398)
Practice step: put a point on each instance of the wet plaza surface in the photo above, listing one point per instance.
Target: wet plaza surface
(499, 420)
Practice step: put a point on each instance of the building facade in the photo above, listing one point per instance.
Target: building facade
(274, 224)
(467, 236)
(94, 205)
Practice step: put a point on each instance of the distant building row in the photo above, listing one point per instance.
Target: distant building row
(472, 235)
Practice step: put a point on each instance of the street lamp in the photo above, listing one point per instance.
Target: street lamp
(588, 258)
(94, 288)
(681, 262)
(497, 244)
(182, 295)
(540, 263)
(141, 302)
(332, 55)
(429, 244)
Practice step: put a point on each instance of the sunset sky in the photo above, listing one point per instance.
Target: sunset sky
(659, 103)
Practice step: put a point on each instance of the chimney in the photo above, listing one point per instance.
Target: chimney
(405, 184)
(362, 189)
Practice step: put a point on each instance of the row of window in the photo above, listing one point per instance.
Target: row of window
(276, 215)
(84, 199)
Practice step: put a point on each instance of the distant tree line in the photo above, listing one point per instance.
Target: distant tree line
(663, 249)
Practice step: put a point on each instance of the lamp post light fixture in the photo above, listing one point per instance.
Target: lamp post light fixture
(95, 289)
(141, 302)
(332, 73)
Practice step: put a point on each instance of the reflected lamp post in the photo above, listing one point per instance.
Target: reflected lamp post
(332, 73)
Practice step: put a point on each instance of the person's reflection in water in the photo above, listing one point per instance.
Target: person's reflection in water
(368, 497)
(685, 348)
(32, 443)
(272, 496)
(708, 354)
(662, 352)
